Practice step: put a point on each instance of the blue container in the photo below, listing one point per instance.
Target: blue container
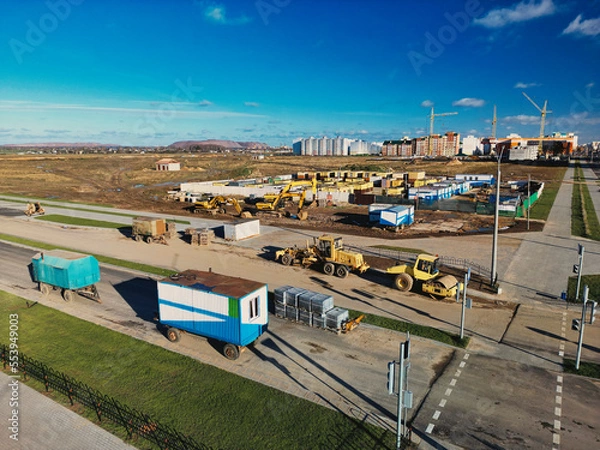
(231, 310)
(65, 269)
(398, 215)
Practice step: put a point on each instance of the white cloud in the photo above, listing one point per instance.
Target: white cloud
(252, 104)
(204, 103)
(589, 27)
(217, 13)
(522, 119)
(427, 103)
(469, 102)
(521, 12)
(521, 85)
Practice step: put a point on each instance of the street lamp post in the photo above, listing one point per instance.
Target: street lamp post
(494, 274)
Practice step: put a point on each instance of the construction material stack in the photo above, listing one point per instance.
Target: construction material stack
(310, 308)
(201, 237)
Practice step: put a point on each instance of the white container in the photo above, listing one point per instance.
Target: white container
(244, 229)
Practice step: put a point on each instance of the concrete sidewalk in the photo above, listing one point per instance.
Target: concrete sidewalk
(44, 424)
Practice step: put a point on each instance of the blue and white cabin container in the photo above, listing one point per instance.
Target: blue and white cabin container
(397, 216)
(229, 309)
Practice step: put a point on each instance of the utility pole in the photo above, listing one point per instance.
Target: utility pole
(431, 117)
(528, 198)
(581, 327)
(578, 268)
(496, 220)
(543, 111)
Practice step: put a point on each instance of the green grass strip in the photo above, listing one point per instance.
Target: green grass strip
(103, 259)
(217, 408)
(416, 251)
(586, 369)
(591, 281)
(413, 328)
(96, 211)
(592, 225)
(69, 220)
(540, 210)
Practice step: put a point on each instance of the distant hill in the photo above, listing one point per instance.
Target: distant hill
(231, 145)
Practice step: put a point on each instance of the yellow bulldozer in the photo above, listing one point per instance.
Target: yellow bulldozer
(329, 252)
(425, 270)
(34, 209)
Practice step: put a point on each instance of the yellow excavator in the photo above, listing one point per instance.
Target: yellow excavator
(216, 205)
(272, 202)
(426, 271)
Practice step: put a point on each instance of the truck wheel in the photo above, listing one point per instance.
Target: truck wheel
(44, 289)
(173, 334)
(286, 259)
(68, 295)
(341, 271)
(231, 351)
(138, 238)
(404, 282)
(328, 269)
(149, 239)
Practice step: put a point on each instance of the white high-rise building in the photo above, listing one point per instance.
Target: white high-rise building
(470, 144)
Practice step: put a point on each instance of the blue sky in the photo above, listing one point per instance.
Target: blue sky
(147, 72)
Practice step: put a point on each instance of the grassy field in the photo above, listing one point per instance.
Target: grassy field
(584, 220)
(215, 407)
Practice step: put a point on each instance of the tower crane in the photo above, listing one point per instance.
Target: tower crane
(543, 111)
(431, 118)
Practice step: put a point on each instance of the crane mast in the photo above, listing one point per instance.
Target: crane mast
(543, 112)
(431, 118)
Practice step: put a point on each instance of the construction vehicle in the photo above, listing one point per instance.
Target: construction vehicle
(273, 203)
(425, 270)
(329, 252)
(34, 208)
(216, 205)
(150, 229)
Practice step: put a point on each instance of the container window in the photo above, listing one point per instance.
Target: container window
(253, 305)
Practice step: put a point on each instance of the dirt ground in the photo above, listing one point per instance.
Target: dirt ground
(131, 182)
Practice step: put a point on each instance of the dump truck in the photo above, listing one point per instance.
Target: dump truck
(71, 272)
(34, 209)
(231, 310)
(327, 251)
(425, 270)
(151, 229)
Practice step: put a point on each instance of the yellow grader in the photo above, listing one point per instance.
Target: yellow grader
(426, 272)
(329, 252)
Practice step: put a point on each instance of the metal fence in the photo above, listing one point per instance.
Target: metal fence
(408, 257)
(135, 423)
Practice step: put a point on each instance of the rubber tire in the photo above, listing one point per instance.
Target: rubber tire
(149, 239)
(287, 259)
(44, 289)
(328, 268)
(341, 271)
(173, 334)
(404, 282)
(231, 352)
(68, 295)
(138, 238)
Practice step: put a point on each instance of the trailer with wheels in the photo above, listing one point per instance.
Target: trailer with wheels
(230, 310)
(73, 273)
(152, 229)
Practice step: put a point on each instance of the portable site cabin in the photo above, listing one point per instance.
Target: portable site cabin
(70, 271)
(397, 216)
(229, 309)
